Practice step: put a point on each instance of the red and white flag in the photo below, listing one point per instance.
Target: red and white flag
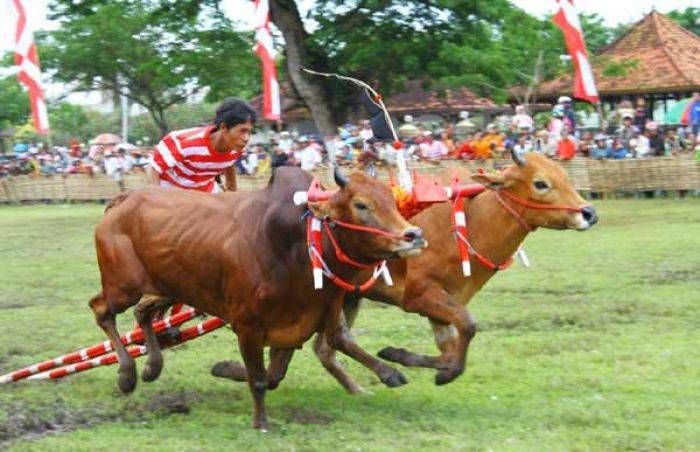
(266, 51)
(566, 18)
(27, 61)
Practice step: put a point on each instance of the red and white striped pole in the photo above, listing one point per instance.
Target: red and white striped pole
(87, 353)
(187, 334)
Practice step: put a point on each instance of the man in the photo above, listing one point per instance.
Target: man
(625, 131)
(310, 156)
(191, 159)
(694, 113)
(569, 114)
(566, 146)
(431, 149)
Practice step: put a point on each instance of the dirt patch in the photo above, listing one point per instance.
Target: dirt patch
(22, 421)
(674, 276)
(306, 416)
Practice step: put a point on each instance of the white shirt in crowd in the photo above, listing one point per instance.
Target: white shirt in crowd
(433, 150)
(286, 144)
(641, 146)
(522, 120)
(250, 163)
(309, 157)
(115, 167)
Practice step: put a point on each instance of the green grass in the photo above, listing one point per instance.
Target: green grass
(595, 347)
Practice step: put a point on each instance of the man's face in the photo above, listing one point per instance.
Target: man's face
(236, 137)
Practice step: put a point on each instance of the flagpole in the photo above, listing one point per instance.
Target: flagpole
(601, 120)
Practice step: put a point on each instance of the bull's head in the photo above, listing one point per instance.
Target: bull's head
(365, 201)
(539, 180)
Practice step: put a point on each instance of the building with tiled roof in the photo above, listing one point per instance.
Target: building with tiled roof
(656, 58)
(415, 100)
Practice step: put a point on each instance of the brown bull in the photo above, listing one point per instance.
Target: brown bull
(242, 257)
(433, 285)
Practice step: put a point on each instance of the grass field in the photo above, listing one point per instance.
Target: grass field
(595, 347)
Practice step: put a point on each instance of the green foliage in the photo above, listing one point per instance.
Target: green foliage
(14, 103)
(157, 55)
(688, 18)
(592, 348)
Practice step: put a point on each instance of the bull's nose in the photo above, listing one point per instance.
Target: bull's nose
(589, 215)
(413, 233)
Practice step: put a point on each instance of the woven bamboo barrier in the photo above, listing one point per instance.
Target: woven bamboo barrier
(665, 173)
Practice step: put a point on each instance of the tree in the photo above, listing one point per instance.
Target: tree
(688, 18)
(14, 103)
(152, 52)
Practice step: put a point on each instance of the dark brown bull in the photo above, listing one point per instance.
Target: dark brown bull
(242, 257)
(433, 285)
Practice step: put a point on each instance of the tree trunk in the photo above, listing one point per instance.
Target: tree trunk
(158, 116)
(286, 17)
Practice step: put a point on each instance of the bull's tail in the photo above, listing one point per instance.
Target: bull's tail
(116, 200)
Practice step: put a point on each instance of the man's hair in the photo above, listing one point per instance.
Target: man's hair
(234, 111)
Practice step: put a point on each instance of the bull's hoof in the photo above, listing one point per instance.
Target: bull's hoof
(391, 354)
(446, 376)
(261, 425)
(151, 371)
(232, 370)
(393, 379)
(127, 380)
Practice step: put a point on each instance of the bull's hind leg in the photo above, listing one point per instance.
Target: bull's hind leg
(276, 370)
(144, 314)
(105, 314)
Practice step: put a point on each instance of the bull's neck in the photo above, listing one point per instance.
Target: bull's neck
(493, 231)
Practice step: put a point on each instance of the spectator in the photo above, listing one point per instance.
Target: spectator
(309, 157)
(640, 114)
(639, 144)
(521, 120)
(286, 143)
(523, 144)
(625, 130)
(543, 145)
(556, 124)
(566, 146)
(586, 144)
(490, 144)
(694, 114)
(465, 151)
(656, 141)
(601, 150)
(279, 157)
(432, 149)
(618, 150)
(569, 117)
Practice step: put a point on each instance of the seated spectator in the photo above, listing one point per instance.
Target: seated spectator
(521, 120)
(250, 161)
(465, 151)
(639, 144)
(618, 150)
(432, 149)
(309, 157)
(656, 140)
(490, 144)
(543, 145)
(601, 150)
(566, 146)
(586, 144)
(279, 157)
(523, 144)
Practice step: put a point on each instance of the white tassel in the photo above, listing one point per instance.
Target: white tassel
(386, 274)
(318, 278)
(522, 257)
(466, 268)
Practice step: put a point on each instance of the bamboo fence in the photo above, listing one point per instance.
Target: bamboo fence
(601, 176)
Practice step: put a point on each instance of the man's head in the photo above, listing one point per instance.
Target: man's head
(235, 120)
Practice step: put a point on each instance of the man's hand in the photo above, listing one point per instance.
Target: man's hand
(230, 183)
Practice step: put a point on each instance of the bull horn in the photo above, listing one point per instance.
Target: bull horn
(339, 177)
(518, 159)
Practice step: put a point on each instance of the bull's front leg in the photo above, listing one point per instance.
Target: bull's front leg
(454, 328)
(338, 337)
(251, 343)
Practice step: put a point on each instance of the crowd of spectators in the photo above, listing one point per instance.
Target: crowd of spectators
(113, 160)
(631, 135)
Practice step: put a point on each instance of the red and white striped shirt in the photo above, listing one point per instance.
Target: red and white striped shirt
(187, 159)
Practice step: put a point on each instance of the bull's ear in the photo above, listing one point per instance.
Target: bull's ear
(320, 209)
(491, 180)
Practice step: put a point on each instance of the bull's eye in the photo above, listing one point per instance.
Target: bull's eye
(541, 185)
(361, 206)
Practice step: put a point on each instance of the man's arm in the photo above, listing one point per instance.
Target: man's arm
(230, 183)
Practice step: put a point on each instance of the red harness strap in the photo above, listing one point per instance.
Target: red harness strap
(314, 238)
(459, 227)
